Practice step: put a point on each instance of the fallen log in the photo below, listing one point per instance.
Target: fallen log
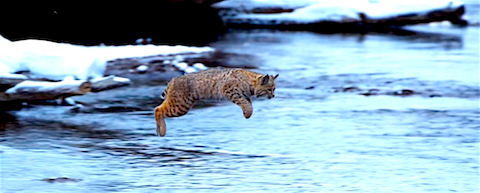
(447, 14)
(10, 80)
(34, 90)
(109, 82)
(42, 90)
(326, 19)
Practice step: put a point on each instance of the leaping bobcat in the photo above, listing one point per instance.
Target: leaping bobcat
(237, 85)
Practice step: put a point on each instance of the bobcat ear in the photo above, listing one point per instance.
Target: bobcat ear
(264, 80)
(275, 77)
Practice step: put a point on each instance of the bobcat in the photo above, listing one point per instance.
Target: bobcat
(236, 85)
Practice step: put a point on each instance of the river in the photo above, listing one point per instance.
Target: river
(353, 113)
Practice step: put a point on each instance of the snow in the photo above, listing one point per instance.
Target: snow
(199, 66)
(12, 76)
(41, 86)
(111, 78)
(69, 101)
(55, 61)
(181, 65)
(122, 80)
(142, 68)
(179, 58)
(190, 70)
(249, 5)
(309, 11)
(132, 51)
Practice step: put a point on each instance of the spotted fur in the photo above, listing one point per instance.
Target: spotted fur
(236, 85)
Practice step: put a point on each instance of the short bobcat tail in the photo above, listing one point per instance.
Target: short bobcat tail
(161, 127)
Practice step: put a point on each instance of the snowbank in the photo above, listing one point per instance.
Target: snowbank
(250, 5)
(311, 11)
(55, 61)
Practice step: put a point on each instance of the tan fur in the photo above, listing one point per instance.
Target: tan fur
(236, 85)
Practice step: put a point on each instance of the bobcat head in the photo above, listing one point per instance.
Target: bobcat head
(265, 86)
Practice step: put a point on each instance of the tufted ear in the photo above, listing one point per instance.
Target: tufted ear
(265, 80)
(275, 77)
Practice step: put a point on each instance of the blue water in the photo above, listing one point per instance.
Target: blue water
(319, 139)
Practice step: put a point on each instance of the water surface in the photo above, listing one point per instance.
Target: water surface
(314, 136)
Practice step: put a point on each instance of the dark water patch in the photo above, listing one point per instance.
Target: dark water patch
(44, 133)
(229, 60)
(378, 84)
(109, 109)
(144, 97)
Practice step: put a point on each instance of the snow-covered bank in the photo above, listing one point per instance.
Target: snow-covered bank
(314, 11)
(70, 70)
(55, 61)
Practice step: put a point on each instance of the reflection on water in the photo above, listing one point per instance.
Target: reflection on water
(318, 135)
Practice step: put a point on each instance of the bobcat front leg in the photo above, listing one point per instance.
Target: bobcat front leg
(244, 102)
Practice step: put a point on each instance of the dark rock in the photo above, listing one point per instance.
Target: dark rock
(160, 70)
(347, 89)
(434, 95)
(351, 89)
(371, 92)
(61, 180)
(404, 92)
(368, 94)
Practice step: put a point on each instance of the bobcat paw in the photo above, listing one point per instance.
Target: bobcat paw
(247, 114)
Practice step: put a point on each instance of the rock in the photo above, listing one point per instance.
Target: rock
(404, 92)
(434, 95)
(162, 69)
(142, 41)
(351, 89)
(347, 89)
(61, 180)
(370, 92)
(109, 82)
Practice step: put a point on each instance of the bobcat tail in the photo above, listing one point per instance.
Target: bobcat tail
(161, 127)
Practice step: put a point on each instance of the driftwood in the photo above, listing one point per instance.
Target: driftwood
(35, 90)
(107, 83)
(365, 23)
(447, 14)
(42, 90)
(11, 81)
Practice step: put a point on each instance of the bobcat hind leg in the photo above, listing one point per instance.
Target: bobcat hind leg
(170, 108)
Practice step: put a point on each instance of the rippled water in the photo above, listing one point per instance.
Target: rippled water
(314, 136)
